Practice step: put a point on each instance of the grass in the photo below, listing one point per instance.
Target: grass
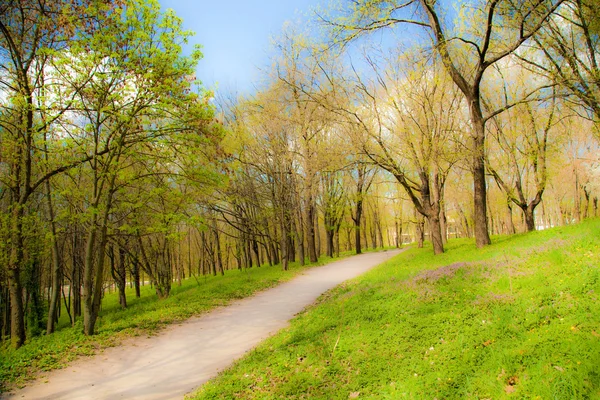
(517, 319)
(144, 316)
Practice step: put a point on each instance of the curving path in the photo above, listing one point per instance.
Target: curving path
(184, 356)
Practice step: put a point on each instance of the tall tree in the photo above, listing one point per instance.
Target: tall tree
(33, 34)
(567, 50)
(522, 140)
(409, 123)
(494, 30)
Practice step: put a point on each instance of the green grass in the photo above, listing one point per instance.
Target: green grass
(144, 316)
(517, 319)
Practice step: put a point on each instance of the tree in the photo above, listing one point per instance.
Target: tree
(566, 51)
(522, 140)
(496, 30)
(299, 74)
(333, 202)
(137, 74)
(88, 86)
(362, 175)
(409, 122)
(33, 36)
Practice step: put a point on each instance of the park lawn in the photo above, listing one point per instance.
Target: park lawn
(517, 319)
(144, 316)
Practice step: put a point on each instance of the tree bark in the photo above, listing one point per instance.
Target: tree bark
(136, 278)
(511, 225)
(528, 212)
(357, 222)
(93, 277)
(436, 234)
(329, 233)
(54, 303)
(17, 315)
(482, 237)
(310, 224)
(76, 276)
(420, 232)
(121, 274)
(284, 245)
(89, 317)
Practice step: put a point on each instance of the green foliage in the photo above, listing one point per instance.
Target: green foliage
(591, 11)
(144, 316)
(518, 319)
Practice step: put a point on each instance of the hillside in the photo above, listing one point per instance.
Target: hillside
(518, 319)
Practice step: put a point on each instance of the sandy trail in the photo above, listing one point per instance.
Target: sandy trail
(184, 356)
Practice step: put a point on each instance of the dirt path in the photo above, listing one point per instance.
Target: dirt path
(183, 357)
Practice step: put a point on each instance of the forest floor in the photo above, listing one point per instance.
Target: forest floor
(185, 355)
(517, 319)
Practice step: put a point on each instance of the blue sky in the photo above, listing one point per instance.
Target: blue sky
(236, 35)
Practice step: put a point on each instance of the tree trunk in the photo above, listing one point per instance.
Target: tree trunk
(33, 306)
(443, 223)
(273, 251)
(17, 315)
(399, 239)
(420, 232)
(317, 237)
(299, 235)
(284, 246)
(329, 233)
(291, 249)
(435, 229)
(586, 207)
(380, 233)
(93, 273)
(511, 225)
(248, 253)
(4, 312)
(357, 219)
(374, 231)
(255, 250)
(577, 197)
(54, 303)
(482, 237)
(310, 224)
(76, 276)
(89, 317)
(136, 278)
(464, 222)
(122, 281)
(337, 241)
(528, 212)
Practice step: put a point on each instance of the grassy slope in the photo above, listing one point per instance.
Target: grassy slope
(518, 319)
(143, 316)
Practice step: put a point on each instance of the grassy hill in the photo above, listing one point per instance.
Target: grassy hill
(518, 319)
